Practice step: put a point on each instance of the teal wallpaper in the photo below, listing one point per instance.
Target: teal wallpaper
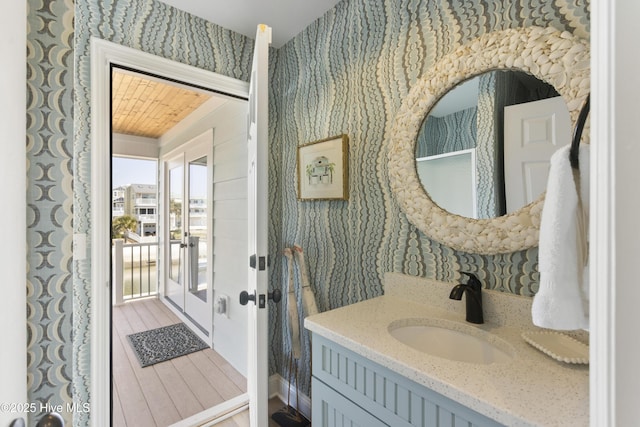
(345, 73)
(49, 147)
(445, 134)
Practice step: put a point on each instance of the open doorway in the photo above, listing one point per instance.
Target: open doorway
(178, 388)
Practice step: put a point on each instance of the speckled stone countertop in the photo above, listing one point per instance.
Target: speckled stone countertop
(529, 390)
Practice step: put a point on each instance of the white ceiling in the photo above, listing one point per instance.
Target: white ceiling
(286, 17)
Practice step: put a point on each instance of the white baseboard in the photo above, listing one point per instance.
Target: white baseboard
(278, 386)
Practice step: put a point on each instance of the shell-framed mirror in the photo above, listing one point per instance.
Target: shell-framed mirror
(558, 59)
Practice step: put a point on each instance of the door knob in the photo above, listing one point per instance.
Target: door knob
(276, 295)
(245, 297)
(52, 419)
(18, 422)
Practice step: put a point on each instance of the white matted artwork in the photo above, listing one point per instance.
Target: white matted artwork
(323, 169)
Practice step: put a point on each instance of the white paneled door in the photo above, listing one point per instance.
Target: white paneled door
(533, 131)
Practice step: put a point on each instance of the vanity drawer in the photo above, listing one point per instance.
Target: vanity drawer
(389, 397)
(331, 409)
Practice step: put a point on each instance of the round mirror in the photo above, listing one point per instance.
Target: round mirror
(484, 148)
(556, 58)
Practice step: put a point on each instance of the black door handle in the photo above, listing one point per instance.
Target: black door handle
(245, 297)
(52, 419)
(276, 295)
(18, 422)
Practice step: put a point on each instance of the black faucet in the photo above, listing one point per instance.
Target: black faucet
(473, 289)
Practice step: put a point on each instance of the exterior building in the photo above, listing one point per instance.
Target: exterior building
(141, 202)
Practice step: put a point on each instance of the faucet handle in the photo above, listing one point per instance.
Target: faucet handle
(473, 282)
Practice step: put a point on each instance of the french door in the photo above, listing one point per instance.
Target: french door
(189, 187)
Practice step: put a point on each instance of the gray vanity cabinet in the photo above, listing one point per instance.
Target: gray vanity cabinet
(350, 390)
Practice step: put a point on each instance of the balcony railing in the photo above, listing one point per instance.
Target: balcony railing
(135, 270)
(145, 202)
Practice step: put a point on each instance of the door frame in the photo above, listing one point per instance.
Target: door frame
(104, 55)
(614, 243)
(13, 131)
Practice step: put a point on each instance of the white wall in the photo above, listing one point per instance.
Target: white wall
(228, 119)
(13, 252)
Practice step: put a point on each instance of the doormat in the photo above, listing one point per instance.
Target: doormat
(161, 344)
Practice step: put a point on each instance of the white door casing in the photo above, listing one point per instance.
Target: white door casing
(533, 131)
(258, 220)
(13, 304)
(104, 54)
(615, 242)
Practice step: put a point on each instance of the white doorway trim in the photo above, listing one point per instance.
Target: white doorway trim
(615, 243)
(13, 259)
(104, 54)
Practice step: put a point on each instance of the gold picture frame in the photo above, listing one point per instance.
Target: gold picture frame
(323, 169)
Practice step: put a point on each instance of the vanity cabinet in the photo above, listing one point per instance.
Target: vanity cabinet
(350, 390)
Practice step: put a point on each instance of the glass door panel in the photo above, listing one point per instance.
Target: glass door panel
(174, 289)
(198, 228)
(175, 223)
(198, 195)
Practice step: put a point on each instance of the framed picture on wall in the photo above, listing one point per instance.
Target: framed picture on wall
(323, 169)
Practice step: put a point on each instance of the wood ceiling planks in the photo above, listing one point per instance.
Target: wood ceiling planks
(149, 107)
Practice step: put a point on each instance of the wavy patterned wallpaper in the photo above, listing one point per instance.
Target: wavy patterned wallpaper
(49, 201)
(346, 73)
(453, 132)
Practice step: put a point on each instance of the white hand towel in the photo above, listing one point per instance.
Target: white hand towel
(562, 299)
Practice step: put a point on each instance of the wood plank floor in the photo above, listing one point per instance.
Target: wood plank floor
(166, 392)
(242, 419)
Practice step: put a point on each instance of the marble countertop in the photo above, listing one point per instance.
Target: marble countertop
(529, 390)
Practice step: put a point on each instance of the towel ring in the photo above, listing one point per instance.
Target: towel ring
(577, 134)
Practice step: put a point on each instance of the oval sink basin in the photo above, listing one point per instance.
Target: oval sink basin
(451, 340)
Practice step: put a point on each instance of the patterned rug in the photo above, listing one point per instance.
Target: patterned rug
(161, 344)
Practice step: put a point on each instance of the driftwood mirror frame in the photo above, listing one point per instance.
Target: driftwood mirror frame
(558, 58)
